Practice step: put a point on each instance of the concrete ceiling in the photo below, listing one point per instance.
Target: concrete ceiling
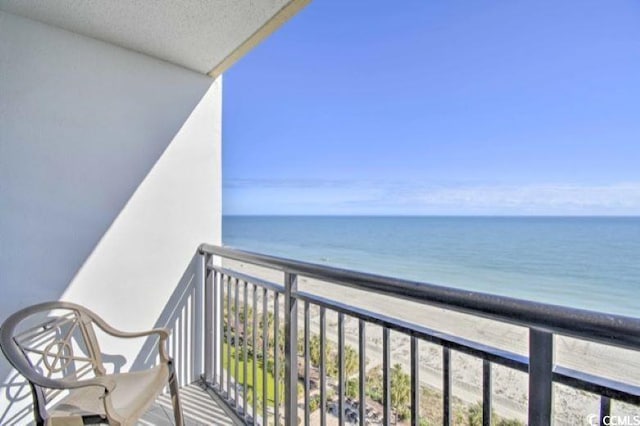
(206, 36)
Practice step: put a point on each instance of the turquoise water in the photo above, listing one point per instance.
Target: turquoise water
(587, 262)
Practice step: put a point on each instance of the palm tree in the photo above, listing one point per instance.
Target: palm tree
(314, 351)
(270, 328)
(350, 361)
(400, 390)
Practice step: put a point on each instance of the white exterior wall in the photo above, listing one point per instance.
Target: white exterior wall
(110, 176)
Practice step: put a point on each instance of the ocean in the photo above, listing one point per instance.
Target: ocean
(583, 262)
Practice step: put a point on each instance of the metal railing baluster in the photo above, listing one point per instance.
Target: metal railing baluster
(291, 349)
(175, 337)
(228, 319)
(323, 367)
(236, 353)
(265, 354)
(486, 392)
(198, 338)
(386, 377)
(446, 386)
(217, 335)
(605, 409)
(415, 382)
(209, 327)
(362, 365)
(307, 378)
(254, 350)
(341, 377)
(218, 321)
(540, 377)
(244, 350)
(276, 357)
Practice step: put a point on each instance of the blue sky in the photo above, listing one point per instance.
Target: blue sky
(438, 107)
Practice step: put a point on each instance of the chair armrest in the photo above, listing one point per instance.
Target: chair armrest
(163, 333)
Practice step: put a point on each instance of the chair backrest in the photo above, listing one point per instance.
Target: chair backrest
(50, 342)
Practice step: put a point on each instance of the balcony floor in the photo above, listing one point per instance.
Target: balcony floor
(198, 406)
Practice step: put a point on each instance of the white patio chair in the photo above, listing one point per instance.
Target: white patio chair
(54, 346)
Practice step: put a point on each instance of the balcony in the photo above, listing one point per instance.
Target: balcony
(276, 340)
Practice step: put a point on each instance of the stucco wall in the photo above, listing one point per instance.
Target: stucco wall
(109, 175)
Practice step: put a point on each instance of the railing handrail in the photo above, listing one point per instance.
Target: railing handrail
(589, 325)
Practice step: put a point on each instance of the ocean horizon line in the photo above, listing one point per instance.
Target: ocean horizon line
(550, 216)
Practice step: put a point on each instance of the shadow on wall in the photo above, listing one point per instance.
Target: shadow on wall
(17, 393)
(183, 315)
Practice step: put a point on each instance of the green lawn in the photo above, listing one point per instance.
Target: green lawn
(249, 385)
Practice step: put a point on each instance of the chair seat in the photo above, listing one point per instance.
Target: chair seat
(133, 395)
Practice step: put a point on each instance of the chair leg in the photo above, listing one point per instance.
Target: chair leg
(175, 396)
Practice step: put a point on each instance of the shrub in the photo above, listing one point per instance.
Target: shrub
(314, 403)
(352, 388)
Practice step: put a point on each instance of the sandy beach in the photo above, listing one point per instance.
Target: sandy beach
(509, 387)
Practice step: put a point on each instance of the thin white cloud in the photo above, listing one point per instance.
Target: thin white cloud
(370, 197)
(625, 195)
